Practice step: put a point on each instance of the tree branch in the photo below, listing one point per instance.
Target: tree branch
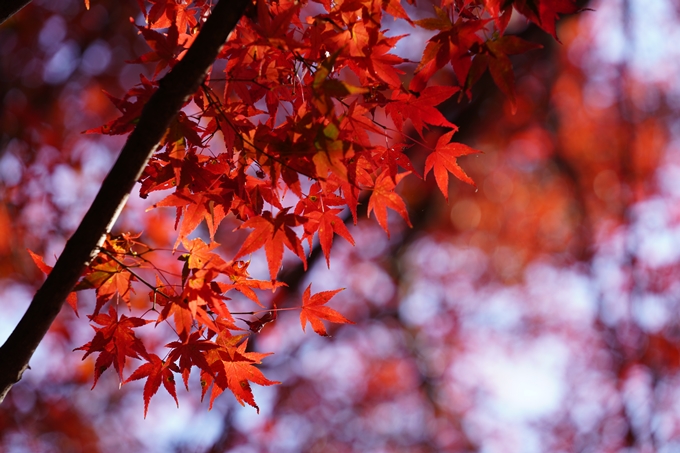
(174, 89)
(8, 8)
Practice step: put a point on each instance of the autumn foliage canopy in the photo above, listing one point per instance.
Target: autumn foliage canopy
(308, 114)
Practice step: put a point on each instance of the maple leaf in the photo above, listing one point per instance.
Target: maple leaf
(273, 233)
(393, 158)
(443, 161)
(191, 352)
(319, 197)
(156, 371)
(196, 208)
(237, 271)
(381, 64)
(114, 341)
(384, 197)
(452, 44)
(394, 8)
(163, 13)
(178, 309)
(313, 310)
(354, 41)
(545, 13)
(131, 109)
(500, 66)
(326, 223)
(202, 291)
(420, 109)
(326, 89)
(199, 255)
(300, 97)
(234, 369)
(500, 11)
(108, 278)
(356, 125)
(274, 28)
(441, 22)
(165, 47)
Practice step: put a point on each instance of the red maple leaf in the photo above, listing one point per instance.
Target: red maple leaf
(384, 197)
(545, 13)
(273, 233)
(443, 161)
(393, 158)
(326, 223)
(394, 8)
(156, 371)
(195, 208)
(420, 109)
(108, 278)
(382, 64)
(163, 13)
(114, 341)
(202, 291)
(356, 125)
(175, 307)
(313, 310)
(242, 282)
(191, 352)
(500, 11)
(130, 109)
(295, 102)
(166, 47)
(234, 369)
(452, 44)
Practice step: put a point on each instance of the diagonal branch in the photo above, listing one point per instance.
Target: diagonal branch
(8, 8)
(174, 89)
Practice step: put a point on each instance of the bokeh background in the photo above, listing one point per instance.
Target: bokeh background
(538, 312)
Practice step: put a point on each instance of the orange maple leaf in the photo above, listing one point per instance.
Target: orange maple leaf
(443, 161)
(173, 305)
(273, 233)
(234, 370)
(194, 208)
(156, 371)
(394, 8)
(114, 341)
(108, 278)
(327, 223)
(199, 255)
(384, 197)
(313, 310)
(237, 271)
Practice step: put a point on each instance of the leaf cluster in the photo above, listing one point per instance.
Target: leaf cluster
(307, 116)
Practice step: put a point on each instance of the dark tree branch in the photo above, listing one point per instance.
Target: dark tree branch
(174, 89)
(8, 8)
